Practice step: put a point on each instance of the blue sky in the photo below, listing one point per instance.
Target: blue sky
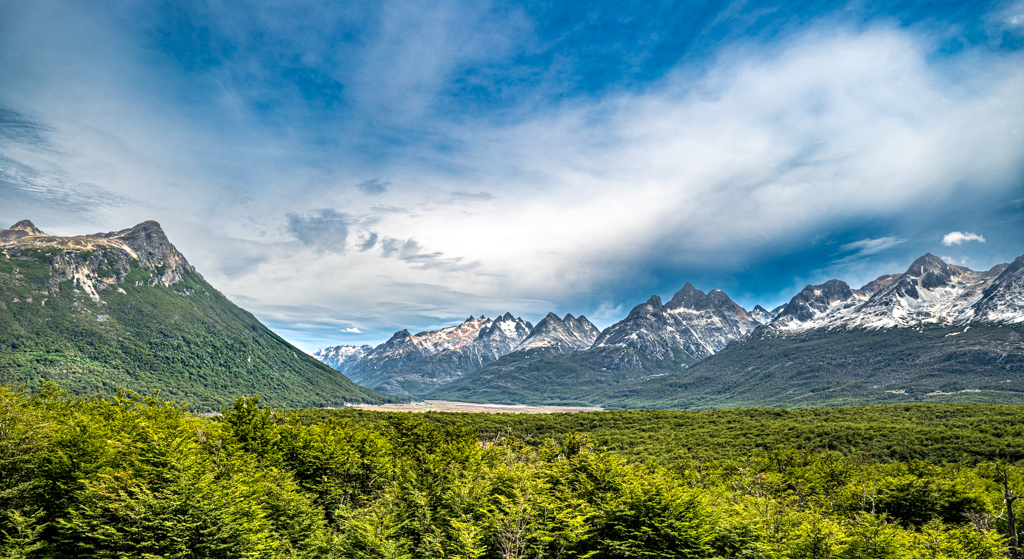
(345, 170)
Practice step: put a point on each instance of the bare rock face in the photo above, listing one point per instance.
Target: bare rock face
(153, 250)
(23, 228)
(102, 260)
(696, 323)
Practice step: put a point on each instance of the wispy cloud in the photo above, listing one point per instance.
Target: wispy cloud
(17, 128)
(958, 237)
(867, 247)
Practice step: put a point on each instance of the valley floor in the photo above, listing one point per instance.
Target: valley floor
(470, 407)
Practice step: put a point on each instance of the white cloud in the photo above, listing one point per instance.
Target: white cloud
(858, 250)
(352, 330)
(870, 246)
(957, 237)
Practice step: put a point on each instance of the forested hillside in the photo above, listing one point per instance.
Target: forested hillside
(138, 477)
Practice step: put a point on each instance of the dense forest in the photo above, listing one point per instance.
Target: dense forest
(134, 476)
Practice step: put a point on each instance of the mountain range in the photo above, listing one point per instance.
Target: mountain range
(125, 310)
(704, 350)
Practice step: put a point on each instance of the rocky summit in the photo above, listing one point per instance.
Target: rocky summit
(693, 322)
(563, 335)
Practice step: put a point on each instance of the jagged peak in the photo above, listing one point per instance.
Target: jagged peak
(569, 318)
(927, 263)
(831, 290)
(506, 317)
(401, 334)
(686, 296)
(28, 227)
(655, 301)
(689, 297)
(148, 229)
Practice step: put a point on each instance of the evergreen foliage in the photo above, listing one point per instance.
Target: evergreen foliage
(139, 477)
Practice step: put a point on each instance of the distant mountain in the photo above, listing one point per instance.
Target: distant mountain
(341, 357)
(653, 339)
(414, 364)
(692, 322)
(564, 335)
(978, 362)
(936, 332)
(929, 292)
(125, 310)
(764, 316)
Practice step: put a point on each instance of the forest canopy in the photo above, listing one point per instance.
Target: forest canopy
(135, 476)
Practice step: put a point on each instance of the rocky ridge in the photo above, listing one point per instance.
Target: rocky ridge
(930, 292)
(102, 260)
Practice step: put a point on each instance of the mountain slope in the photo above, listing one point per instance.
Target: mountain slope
(1003, 300)
(125, 310)
(547, 376)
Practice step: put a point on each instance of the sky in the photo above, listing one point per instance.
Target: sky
(344, 170)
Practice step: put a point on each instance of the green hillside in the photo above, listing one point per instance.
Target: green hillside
(185, 340)
(544, 376)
